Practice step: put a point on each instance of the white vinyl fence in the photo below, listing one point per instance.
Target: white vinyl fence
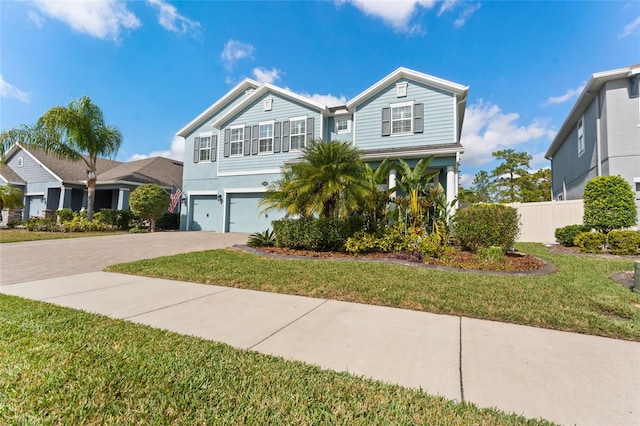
(538, 221)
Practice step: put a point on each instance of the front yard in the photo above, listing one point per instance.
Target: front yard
(21, 235)
(62, 366)
(579, 297)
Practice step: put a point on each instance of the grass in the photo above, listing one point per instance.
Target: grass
(20, 235)
(579, 297)
(62, 366)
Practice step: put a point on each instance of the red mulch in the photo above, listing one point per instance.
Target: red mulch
(513, 262)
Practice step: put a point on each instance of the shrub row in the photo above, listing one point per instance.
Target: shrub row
(316, 234)
(567, 234)
(397, 239)
(619, 242)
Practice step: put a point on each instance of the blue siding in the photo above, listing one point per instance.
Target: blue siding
(282, 109)
(439, 118)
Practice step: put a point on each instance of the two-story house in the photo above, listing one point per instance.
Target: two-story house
(236, 148)
(600, 137)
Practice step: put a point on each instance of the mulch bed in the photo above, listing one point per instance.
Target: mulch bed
(458, 259)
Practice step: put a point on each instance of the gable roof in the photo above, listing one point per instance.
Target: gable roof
(159, 170)
(263, 89)
(591, 89)
(9, 176)
(241, 87)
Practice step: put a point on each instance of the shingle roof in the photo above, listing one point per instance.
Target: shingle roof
(70, 171)
(8, 175)
(158, 170)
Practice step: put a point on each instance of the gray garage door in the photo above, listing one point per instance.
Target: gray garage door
(242, 214)
(205, 213)
(36, 205)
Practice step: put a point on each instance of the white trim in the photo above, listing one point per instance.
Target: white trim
(34, 194)
(429, 80)
(267, 123)
(225, 199)
(353, 136)
(306, 131)
(343, 131)
(267, 104)
(456, 136)
(231, 141)
(250, 172)
(189, 195)
(401, 89)
(580, 132)
(202, 118)
(200, 149)
(411, 153)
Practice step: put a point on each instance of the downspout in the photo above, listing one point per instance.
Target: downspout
(598, 147)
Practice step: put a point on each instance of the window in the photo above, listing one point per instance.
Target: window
(298, 133)
(580, 136)
(236, 139)
(205, 148)
(401, 119)
(343, 125)
(265, 139)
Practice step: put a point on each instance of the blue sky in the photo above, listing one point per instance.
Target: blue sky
(153, 66)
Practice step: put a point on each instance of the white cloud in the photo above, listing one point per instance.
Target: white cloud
(263, 75)
(568, 95)
(327, 100)
(467, 11)
(487, 129)
(234, 51)
(8, 90)
(176, 152)
(101, 19)
(171, 20)
(630, 28)
(397, 14)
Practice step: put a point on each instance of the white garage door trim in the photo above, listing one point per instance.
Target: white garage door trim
(196, 193)
(226, 201)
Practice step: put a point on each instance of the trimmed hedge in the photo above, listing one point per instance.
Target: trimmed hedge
(483, 225)
(316, 234)
(567, 234)
(624, 242)
(590, 242)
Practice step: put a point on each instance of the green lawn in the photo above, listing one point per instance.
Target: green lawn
(62, 366)
(20, 235)
(579, 297)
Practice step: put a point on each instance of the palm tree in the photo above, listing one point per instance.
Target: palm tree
(415, 184)
(378, 199)
(10, 197)
(68, 133)
(328, 181)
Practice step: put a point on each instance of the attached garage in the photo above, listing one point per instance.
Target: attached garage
(243, 213)
(36, 205)
(204, 212)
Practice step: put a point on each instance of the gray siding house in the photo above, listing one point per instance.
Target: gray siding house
(600, 137)
(49, 183)
(236, 148)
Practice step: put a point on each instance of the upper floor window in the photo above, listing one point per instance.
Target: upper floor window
(343, 125)
(205, 148)
(298, 133)
(401, 119)
(236, 139)
(265, 139)
(580, 127)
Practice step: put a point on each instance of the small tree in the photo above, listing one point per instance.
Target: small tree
(150, 202)
(609, 204)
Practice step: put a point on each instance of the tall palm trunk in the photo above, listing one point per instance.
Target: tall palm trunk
(91, 196)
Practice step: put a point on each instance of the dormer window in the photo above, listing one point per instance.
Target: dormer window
(401, 89)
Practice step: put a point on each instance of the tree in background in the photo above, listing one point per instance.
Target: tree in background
(68, 133)
(609, 204)
(149, 202)
(535, 187)
(508, 174)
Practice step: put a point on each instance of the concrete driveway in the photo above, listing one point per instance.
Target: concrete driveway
(36, 260)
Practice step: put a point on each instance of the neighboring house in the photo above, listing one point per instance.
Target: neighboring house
(236, 148)
(600, 137)
(49, 183)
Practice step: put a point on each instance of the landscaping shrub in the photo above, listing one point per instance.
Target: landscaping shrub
(486, 225)
(169, 221)
(262, 239)
(316, 234)
(398, 240)
(567, 234)
(362, 242)
(64, 215)
(590, 242)
(79, 223)
(609, 203)
(40, 224)
(491, 254)
(624, 242)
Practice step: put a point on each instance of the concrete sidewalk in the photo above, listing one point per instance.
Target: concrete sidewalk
(565, 377)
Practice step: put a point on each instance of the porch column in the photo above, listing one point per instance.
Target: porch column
(123, 199)
(451, 187)
(63, 192)
(392, 181)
